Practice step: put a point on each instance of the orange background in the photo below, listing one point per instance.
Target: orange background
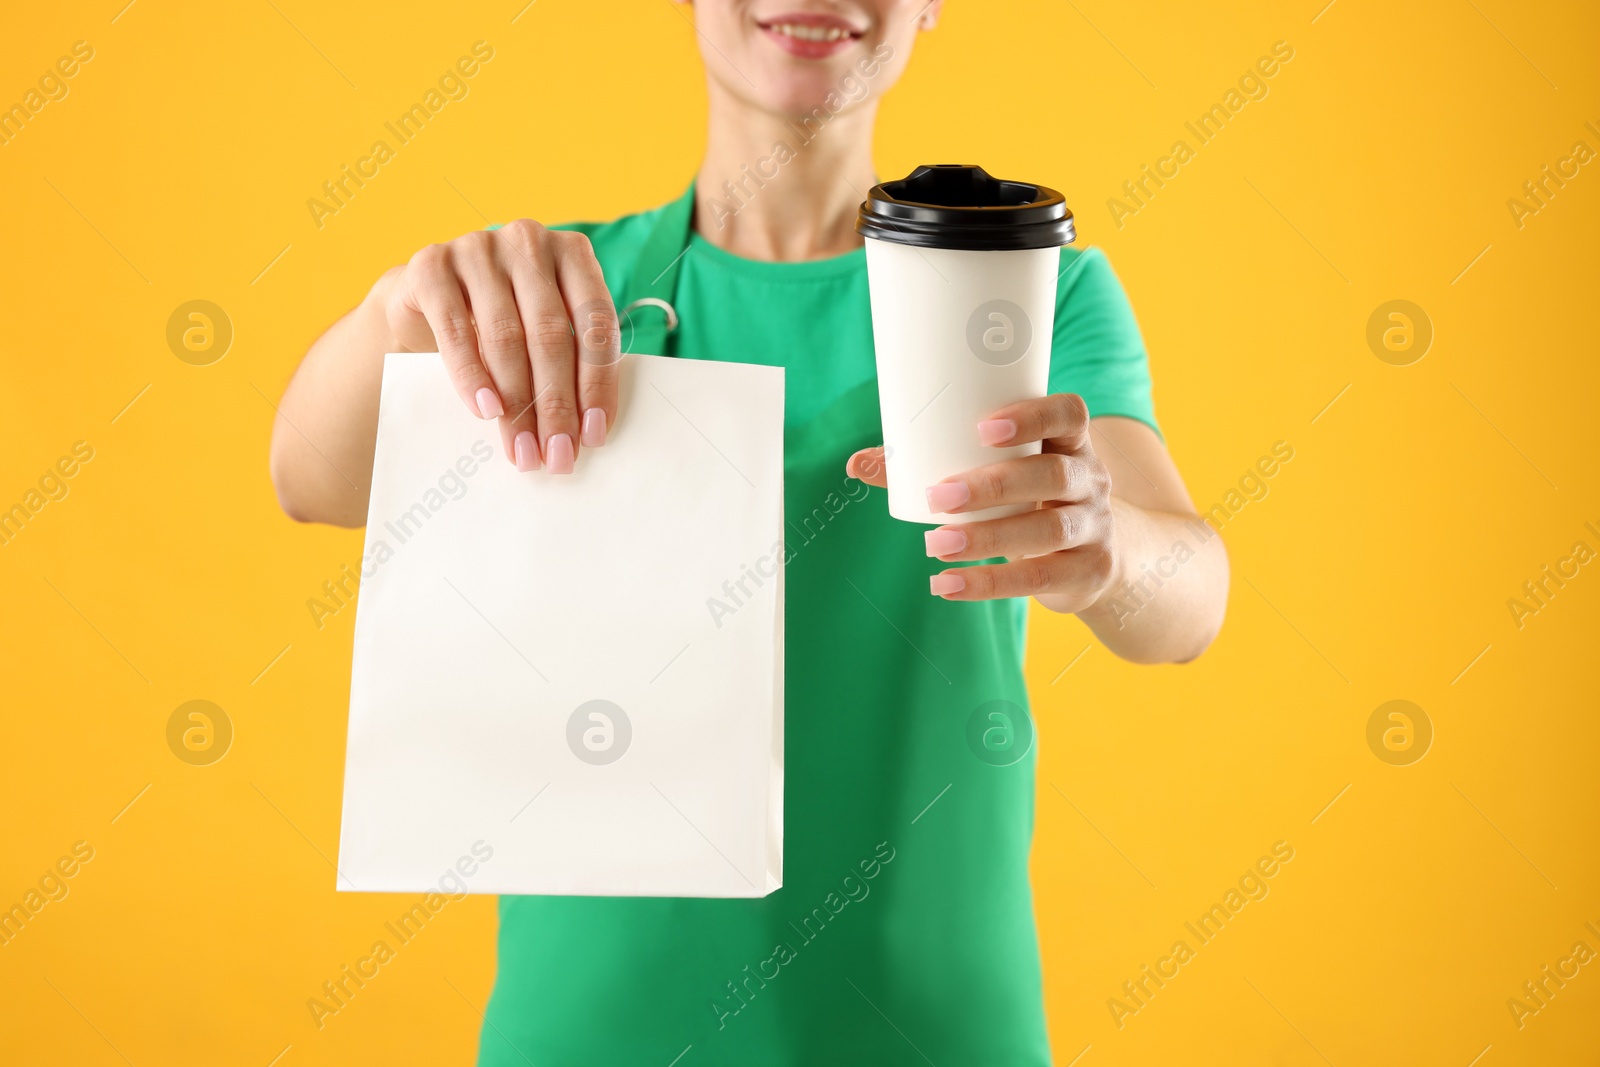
(1377, 567)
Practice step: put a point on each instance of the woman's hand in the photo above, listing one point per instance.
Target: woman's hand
(525, 324)
(1064, 551)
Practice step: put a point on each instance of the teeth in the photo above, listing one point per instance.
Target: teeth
(808, 33)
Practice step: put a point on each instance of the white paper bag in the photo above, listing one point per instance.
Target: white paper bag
(553, 690)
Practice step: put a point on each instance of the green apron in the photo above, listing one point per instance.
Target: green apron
(904, 931)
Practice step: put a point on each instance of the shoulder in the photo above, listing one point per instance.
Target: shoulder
(1097, 350)
(1086, 279)
(1091, 303)
(1091, 306)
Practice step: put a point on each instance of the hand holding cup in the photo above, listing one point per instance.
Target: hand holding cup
(1062, 546)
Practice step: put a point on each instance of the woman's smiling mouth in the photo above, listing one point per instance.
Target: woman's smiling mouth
(810, 36)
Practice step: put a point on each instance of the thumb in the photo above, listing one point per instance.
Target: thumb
(867, 466)
(404, 314)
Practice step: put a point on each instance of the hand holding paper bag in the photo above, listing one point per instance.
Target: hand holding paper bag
(536, 663)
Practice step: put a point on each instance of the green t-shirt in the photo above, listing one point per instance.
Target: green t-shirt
(903, 933)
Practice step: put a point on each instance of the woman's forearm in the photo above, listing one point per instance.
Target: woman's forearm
(1166, 603)
(326, 429)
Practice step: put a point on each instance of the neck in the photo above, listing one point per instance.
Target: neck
(773, 188)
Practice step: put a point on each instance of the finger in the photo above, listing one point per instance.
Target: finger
(867, 466)
(530, 260)
(1060, 420)
(433, 291)
(1081, 570)
(599, 336)
(406, 321)
(1034, 533)
(1031, 479)
(502, 341)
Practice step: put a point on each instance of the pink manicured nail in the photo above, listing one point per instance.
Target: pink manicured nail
(594, 428)
(945, 541)
(526, 450)
(558, 454)
(947, 496)
(945, 584)
(488, 404)
(996, 431)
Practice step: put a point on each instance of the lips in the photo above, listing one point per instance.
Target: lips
(810, 36)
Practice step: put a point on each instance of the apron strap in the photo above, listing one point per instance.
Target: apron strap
(646, 312)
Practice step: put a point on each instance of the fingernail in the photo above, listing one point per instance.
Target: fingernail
(996, 431)
(947, 496)
(558, 454)
(489, 404)
(526, 450)
(945, 541)
(594, 428)
(945, 584)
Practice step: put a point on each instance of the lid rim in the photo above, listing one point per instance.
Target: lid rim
(1044, 221)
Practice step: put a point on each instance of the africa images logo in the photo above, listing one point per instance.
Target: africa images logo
(853, 887)
(341, 591)
(340, 990)
(999, 333)
(599, 732)
(1252, 885)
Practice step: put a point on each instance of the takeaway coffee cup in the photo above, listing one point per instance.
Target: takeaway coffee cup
(961, 269)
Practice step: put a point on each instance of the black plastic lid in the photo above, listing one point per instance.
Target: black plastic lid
(953, 205)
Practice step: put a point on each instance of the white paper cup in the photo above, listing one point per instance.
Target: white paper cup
(960, 329)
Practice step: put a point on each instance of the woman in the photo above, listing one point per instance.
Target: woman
(904, 931)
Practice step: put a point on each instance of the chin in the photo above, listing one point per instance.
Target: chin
(801, 97)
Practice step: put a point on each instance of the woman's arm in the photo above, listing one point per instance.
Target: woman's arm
(327, 424)
(1115, 539)
(1166, 601)
(500, 308)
